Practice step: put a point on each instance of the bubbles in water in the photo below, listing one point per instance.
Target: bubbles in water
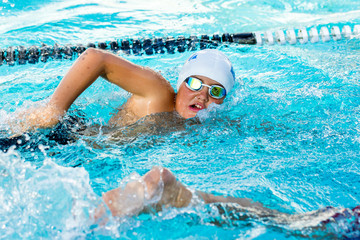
(4, 118)
(7, 3)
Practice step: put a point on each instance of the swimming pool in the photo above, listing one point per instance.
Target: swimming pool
(288, 136)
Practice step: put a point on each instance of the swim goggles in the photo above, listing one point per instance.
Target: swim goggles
(196, 84)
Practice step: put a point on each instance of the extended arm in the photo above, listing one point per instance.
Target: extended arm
(159, 188)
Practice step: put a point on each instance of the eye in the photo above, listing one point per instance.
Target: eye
(194, 83)
(217, 92)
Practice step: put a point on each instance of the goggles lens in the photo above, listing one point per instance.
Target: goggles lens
(195, 84)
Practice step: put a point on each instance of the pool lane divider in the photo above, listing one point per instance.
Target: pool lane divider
(303, 35)
(159, 45)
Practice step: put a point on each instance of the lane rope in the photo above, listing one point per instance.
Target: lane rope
(160, 45)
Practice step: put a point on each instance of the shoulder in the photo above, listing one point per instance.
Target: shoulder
(161, 100)
(163, 85)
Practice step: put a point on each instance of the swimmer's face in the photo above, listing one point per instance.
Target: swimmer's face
(188, 103)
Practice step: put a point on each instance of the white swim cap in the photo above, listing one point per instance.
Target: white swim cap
(209, 63)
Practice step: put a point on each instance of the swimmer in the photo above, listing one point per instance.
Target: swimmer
(205, 78)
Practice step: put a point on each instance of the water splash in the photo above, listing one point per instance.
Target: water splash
(51, 201)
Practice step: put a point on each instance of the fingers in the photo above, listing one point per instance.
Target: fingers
(153, 183)
(127, 201)
(157, 187)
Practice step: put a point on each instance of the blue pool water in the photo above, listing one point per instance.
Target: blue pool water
(287, 136)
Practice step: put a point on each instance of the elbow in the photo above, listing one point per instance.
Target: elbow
(91, 50)
(93, 55)
(93, 58)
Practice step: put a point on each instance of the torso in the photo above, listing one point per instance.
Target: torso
(123, 117)
(153, 124)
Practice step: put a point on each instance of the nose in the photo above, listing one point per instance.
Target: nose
(203, 94)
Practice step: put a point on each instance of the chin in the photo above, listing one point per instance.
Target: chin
(187, 115)
(190, 115)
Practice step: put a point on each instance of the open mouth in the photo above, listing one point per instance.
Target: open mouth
(196, 107)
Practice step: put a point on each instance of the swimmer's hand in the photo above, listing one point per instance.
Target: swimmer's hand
(157, 188)
(125, 202)
(46, 116)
